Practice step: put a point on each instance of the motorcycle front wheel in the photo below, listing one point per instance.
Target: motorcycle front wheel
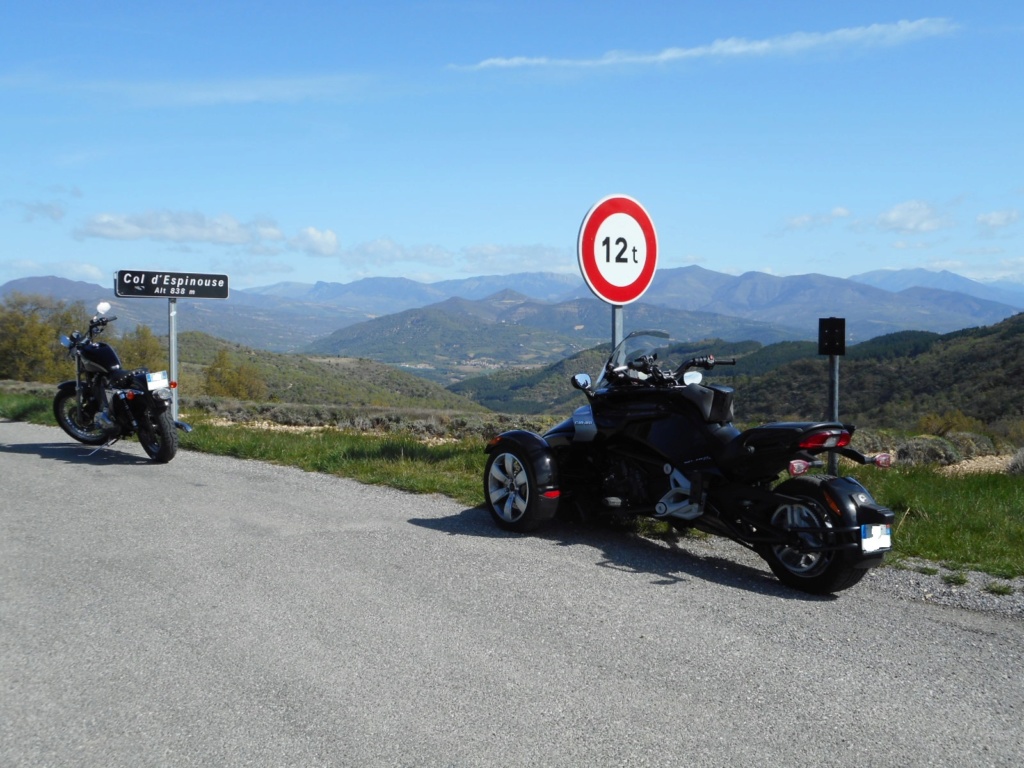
(801, 567)
(76, 421)
(158, 436)
(509, 491)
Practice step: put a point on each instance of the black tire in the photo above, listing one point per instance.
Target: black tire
(819, 573)
(77, 422)
(510, 491)
(159, 436)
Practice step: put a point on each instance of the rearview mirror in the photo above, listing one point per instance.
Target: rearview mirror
(103, 307)
(581, 381)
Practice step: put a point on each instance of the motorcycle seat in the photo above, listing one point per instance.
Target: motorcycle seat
(713, 401)
(780, 439)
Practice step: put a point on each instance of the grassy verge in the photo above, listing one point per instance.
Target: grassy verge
(973, 521)
(970, 521)
(399, 461)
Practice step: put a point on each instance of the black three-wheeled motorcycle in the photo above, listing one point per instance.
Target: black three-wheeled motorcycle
(655, 440)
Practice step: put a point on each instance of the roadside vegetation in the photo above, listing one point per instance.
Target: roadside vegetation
(370, 422)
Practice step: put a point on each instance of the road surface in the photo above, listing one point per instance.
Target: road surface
(221, 612)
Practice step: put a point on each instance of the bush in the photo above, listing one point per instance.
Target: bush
(971, 445)
(927, 449)
(1016, 466)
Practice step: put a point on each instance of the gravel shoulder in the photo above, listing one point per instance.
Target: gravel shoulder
(910, 579)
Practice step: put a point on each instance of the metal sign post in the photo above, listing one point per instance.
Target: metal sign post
(172, 349)
(617, 250)
(140, 284)
(832, 342)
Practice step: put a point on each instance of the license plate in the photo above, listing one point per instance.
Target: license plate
(875, 538)
(157, 380)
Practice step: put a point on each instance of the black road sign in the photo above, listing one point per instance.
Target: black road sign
(131, 283)
(831, 335)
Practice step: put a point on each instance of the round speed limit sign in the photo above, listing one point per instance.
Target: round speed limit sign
(618, 250)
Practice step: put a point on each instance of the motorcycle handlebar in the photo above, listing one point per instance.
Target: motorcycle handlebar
(707, 362)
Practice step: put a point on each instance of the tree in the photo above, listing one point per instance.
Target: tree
(29, 330)
(141, 349)
(227, 379)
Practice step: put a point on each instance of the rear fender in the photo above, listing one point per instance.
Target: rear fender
(67, 386)
(855, 506)
(534, 449)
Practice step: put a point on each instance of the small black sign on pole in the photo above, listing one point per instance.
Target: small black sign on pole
(832, 342)
(145, 284)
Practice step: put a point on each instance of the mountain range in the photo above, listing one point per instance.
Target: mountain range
(548, 315)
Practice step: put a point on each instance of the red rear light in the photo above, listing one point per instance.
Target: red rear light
(830, 438)
(799, 467)
(174, 385)
(552, 494)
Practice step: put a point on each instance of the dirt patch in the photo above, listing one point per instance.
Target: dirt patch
(985, 464)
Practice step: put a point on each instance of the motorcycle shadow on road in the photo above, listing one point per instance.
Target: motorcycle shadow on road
(668, 561)
(73, 453)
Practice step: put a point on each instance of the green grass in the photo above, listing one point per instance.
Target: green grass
(968, 521)
(399, 461)
(26, 407)
(971, 521)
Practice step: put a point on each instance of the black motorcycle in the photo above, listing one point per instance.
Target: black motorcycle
(655, 441)
(106, 403)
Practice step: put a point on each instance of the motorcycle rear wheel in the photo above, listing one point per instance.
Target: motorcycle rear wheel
(819, 573)
(76, 421)
(510, 491)
(158, 436)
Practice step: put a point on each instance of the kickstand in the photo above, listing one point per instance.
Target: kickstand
(101, 447)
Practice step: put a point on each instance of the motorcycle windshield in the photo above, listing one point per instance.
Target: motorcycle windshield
(635, 345)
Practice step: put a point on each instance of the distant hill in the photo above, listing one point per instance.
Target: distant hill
(800, 300)
(548, 390)
(897, 280)
(887, 382)
(457, 338)
(302, 379)
(263, 322)
(894, 381)
(290, 316)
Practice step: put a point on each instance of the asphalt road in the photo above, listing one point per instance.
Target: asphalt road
(219, 612)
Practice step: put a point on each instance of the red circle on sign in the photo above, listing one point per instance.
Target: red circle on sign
(602, 287)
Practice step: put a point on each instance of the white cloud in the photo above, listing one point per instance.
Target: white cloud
(991, 222)
(173, 226)
(316, 242)
(873, 35)
(54, 210)
(816, 220)
(260, 236)
(913, 216)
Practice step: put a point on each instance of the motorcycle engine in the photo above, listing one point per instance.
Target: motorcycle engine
(625, 480)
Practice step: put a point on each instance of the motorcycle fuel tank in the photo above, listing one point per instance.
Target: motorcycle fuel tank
(100, 357)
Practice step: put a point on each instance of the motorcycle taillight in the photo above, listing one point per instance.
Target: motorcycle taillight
(831, 438)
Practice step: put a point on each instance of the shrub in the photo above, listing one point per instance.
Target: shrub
(927, 449)
(970, 444)
(1016, 466)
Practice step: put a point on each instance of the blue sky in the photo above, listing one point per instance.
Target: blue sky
(440, 139)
